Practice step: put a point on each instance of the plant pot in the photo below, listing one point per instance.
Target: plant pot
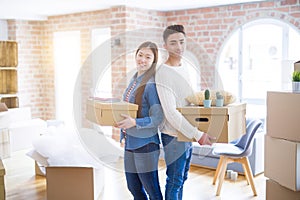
(207, 103)
(296, 87)
(219, 102)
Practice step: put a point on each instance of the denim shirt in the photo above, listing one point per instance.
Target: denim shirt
(146, 129)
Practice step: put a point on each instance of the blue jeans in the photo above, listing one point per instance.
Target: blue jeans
(178, 158)
(141, 170)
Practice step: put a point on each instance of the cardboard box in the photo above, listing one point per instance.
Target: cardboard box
(8, 54)
(297, 66)
(275, 191)
(11, 101)
(4, 143)
(2, 181)
(282, 162)
(225, 123)
(107, 114)
(76, 183)
(39, 169)
(8, 81)
(283, 115)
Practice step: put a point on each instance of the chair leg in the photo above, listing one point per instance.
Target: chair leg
(217, 173)
(246, 175)
(249, 174)
(222, 175)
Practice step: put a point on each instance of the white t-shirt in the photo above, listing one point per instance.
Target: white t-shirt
(173, 86)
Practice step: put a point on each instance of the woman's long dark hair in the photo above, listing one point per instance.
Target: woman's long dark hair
(147, 75)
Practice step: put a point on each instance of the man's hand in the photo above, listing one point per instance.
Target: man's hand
(127, 122)
(206, 139)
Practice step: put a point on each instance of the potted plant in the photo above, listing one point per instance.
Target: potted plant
(296, 81)
(219, 99)
(207, 100)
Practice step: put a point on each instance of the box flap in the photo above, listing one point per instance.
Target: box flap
(297, 66)
(113, 105)
(231, 108)
(2, 169)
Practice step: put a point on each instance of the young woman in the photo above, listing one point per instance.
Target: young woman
(141, 134)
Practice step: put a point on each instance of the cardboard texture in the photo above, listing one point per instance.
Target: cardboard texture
(39, 169)
(3, 107)
(283, 115)
(8, 54)
(8, 81)
(10, 101)
(4, 143)
(2, 183)
(108, 114)
(275, 191)
(74, 183)
(297, 66)
(225, 123)
(282, 162)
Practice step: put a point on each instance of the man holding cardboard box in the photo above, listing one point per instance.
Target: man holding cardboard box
(173, 86)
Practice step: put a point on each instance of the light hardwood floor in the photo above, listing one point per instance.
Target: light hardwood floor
(22, 184)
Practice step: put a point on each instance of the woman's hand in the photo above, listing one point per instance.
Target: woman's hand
(127, 122)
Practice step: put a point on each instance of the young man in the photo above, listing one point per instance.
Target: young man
(173, 87)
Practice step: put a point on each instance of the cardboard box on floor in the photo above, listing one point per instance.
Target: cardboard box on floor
(282, 162)
(297, 66)
(283, 115)
(4, 143)
(225, 123)
(2, 181)
(275, 191)
(108, 113)
(76, 183)
(39, 169)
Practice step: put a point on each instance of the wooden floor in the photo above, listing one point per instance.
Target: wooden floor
(22, 184)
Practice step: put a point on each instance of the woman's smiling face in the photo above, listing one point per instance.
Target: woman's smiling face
(144, 59)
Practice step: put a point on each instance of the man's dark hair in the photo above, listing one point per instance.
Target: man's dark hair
(177, 28)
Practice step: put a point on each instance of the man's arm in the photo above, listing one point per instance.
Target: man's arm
(172, 115)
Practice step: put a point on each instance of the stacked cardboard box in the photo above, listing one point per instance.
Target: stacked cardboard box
(282, 146)
(9, 74)
(2, 184)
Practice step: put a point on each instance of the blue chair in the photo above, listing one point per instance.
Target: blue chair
(237, 151)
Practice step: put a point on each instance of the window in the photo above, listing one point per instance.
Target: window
(101, 62)
(67, 66)
(257, 58)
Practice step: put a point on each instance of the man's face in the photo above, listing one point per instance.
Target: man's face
(175, 45)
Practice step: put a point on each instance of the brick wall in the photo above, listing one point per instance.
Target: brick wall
(207, 30)
(211, 27)
(31, 76)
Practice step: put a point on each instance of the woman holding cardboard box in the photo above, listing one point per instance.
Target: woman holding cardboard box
(141, 134)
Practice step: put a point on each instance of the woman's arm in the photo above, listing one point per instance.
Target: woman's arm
(155, 111)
